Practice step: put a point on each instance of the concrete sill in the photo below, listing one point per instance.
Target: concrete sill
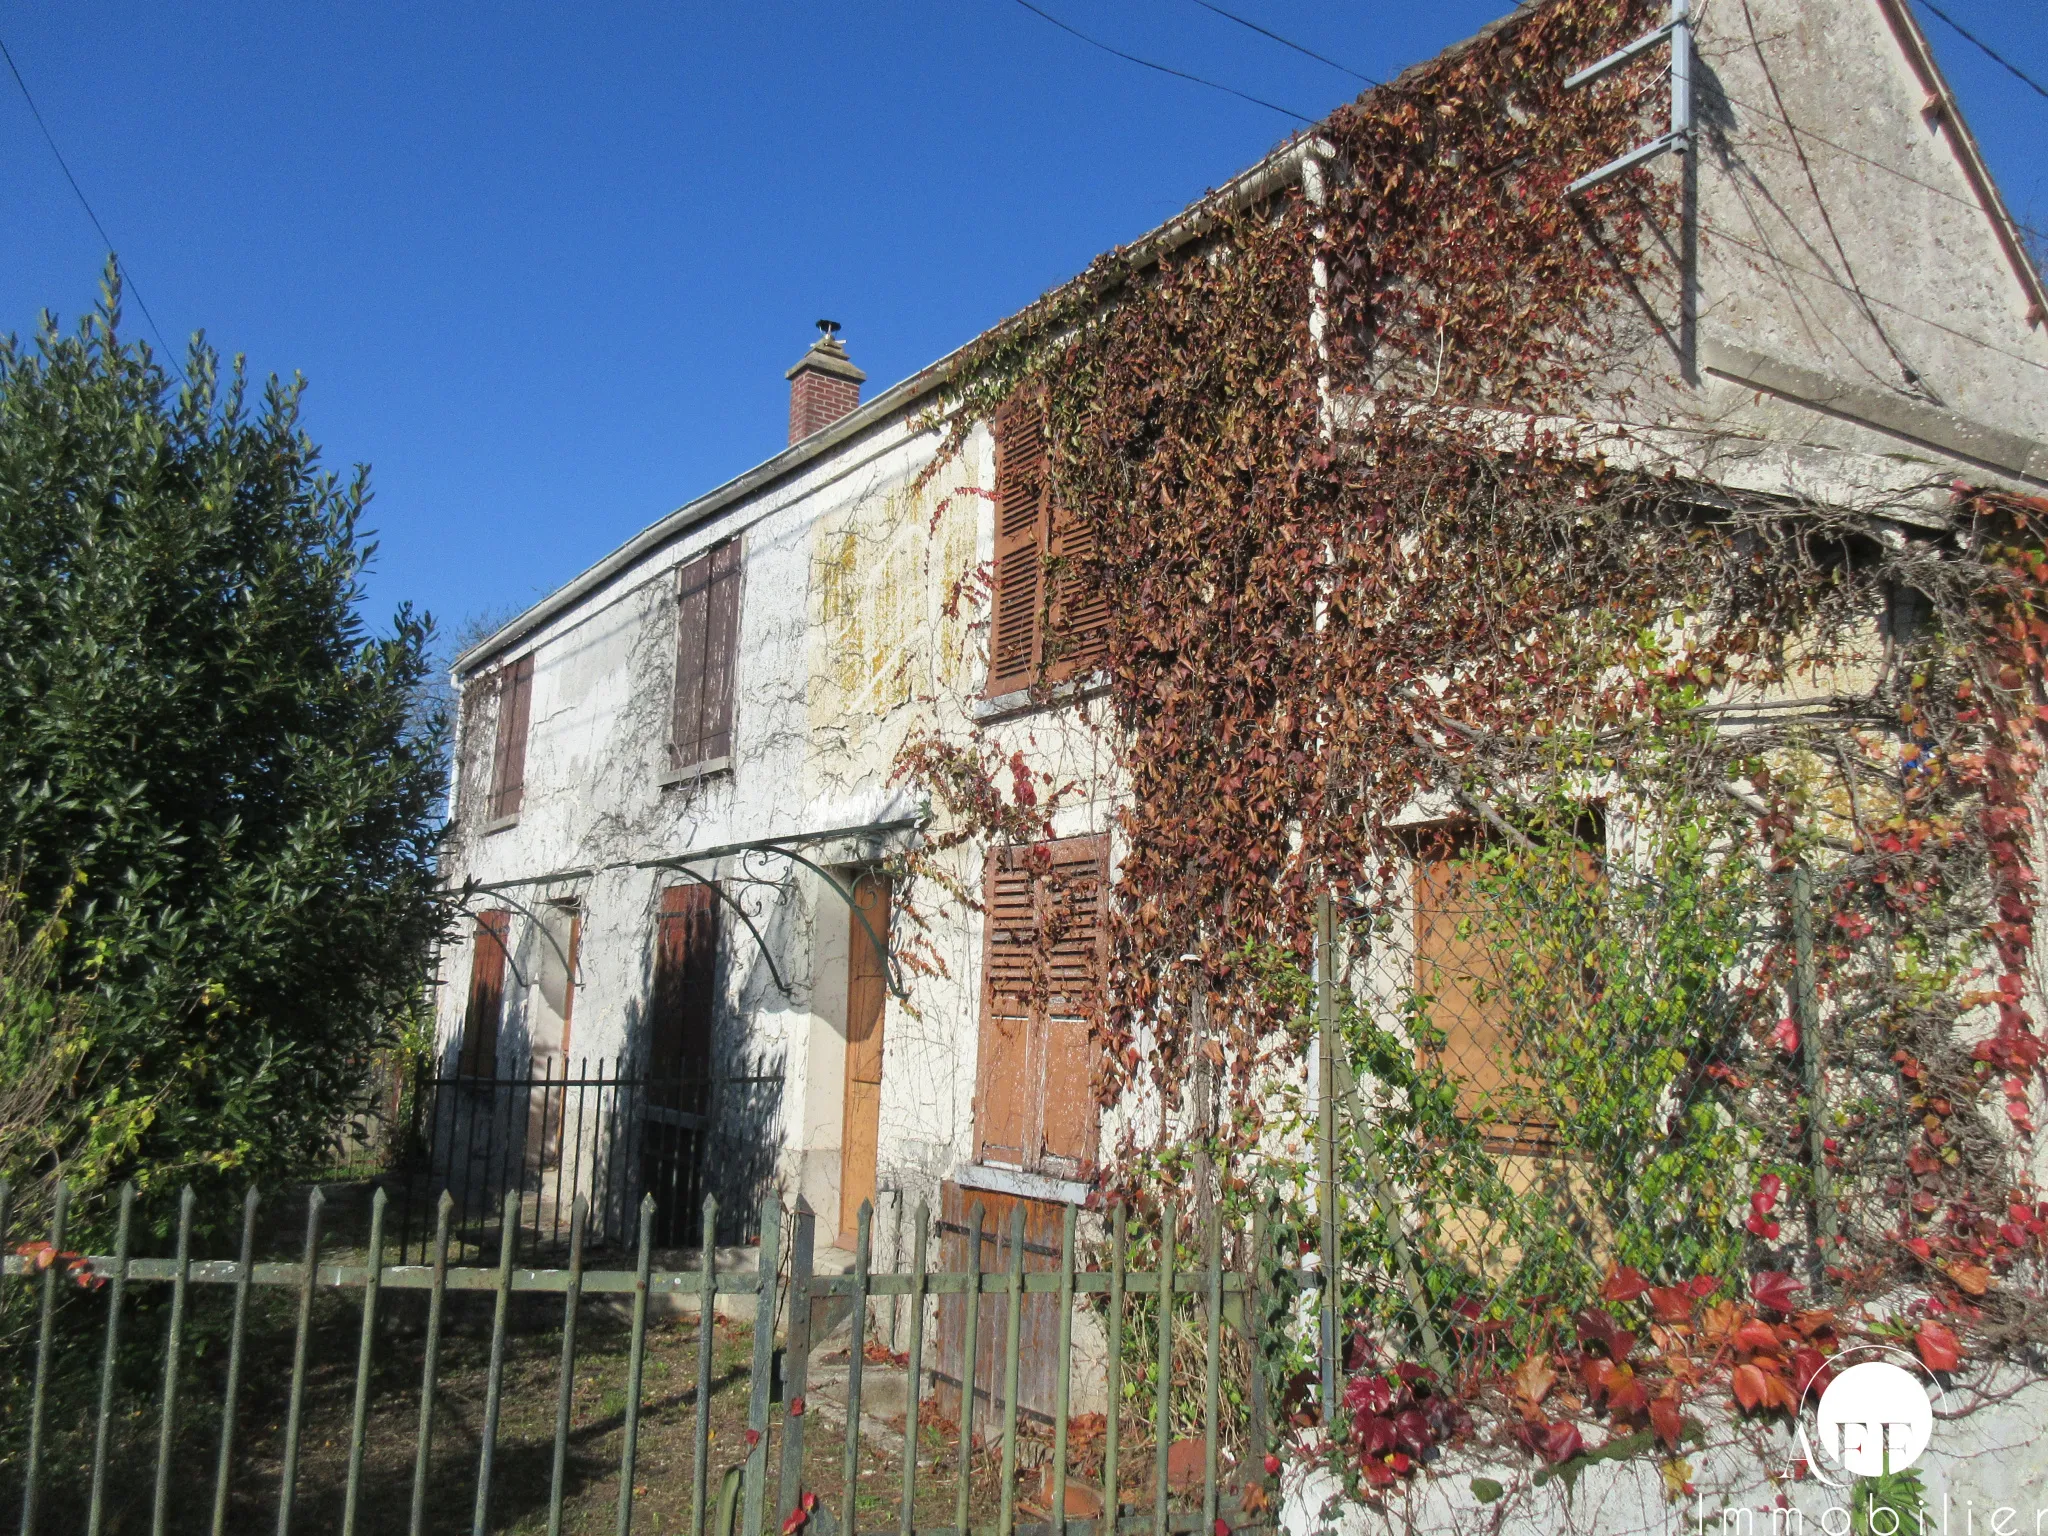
(711, 767)
(1031, 1186)
(502, 824)
(1025, 701)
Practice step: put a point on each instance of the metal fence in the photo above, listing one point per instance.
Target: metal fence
(59, 1302)
(606, 1135)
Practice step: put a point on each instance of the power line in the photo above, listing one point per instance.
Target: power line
(1286, 42)
(1165, 69)
(1989, 52)
(63, 165)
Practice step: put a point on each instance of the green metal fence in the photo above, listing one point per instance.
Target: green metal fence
(61, 1302)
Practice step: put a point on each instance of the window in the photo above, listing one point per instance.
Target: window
(486, 1009)
(1461, 968)
(1041, 997)
(707, 638)
(508, 762)
(1049, 620)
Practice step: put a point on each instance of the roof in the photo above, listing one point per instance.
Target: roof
(1248, 187)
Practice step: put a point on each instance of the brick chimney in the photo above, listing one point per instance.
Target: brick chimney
(823, 386)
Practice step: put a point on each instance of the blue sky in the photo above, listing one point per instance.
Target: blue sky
(544, 266)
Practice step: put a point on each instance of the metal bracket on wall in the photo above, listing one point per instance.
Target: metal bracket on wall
(1679, 138)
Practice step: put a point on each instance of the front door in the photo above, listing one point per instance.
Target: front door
(867, 1000)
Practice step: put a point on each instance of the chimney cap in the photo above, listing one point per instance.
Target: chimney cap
(827, 355)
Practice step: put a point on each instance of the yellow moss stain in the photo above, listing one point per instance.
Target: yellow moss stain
(881, 573)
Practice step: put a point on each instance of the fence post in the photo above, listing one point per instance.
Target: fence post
(764, 1363)
(1326, 1145)
(1806, 1013)
(796, 1361)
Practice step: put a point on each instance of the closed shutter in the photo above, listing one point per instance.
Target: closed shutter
(1458, 969)
(707, 643)
(681, 1009)
(508, 769)
(721, 652)
(1002, 1096)
(1013, 642)
(1078, 623)
(1042, 999)
(479, 1057)
(1072, 939)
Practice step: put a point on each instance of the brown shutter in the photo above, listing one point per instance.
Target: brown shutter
(721, 651)
(1013, 641)
(1072, 944)
(693, 614)
(479, 1057)
(707, 644)
(1456, 968)
(1041, 999)
(1078, 622)
(1002, 1093)
(508, 771)
(680, 1011)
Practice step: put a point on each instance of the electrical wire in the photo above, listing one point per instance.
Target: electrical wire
(1166, 69)
(1285, 42)
(127, 278)
(1988, 51)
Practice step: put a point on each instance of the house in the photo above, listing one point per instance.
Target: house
(678, 815)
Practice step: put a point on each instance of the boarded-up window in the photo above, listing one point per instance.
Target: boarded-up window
(1049, 620)
(1038, 1354)
(680, 1009)
(1041, 1003)
(1460, 966)
(486, 1008)
(508, 762)
(707, 640)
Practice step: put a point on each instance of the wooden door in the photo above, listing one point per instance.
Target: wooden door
(867, 1003)
(1039, 1320)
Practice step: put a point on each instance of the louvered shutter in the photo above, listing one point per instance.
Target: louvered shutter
(508, 769)
(1042, 998)
(1071, 942)
(721, 651)
(479, 1057)
(1003, 1090)
(1077, 624)
(1013, 642)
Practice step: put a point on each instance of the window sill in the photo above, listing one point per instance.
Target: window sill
(1028, 1186)
(1025, 701)
(711, 767)
(502, 824)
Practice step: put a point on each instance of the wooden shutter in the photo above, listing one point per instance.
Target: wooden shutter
(721, 651)
(1001, 1097)
(1072, 940)
(1013, 641)
(1455, 964)
(683, 1002)
(508, 768)
(480, 1020)
(1077, 625)
(707, 642)
(1042, 996)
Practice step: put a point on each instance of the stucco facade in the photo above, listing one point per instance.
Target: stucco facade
(1855, 320)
